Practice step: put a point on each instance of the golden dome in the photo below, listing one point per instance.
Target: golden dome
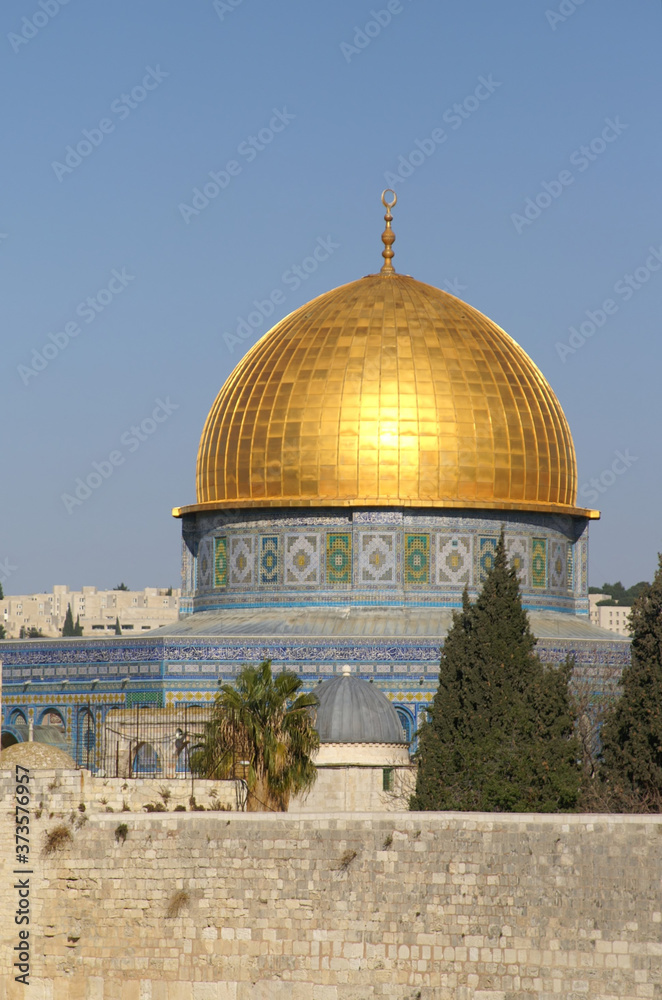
(387, 392)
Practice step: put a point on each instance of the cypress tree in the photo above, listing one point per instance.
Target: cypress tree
(78, 628)
(118, 627)
(632, 731)
(68, 629)
(499, 734)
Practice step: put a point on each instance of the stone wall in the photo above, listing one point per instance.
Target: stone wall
(59, 791)
(237, 906)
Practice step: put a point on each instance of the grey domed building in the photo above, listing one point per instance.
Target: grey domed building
(363, 760)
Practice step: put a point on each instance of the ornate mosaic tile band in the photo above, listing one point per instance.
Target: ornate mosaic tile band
(378, 557)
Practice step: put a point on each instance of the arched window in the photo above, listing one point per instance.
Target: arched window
(18, 718)
(146, 761)
(51, 717)
(407, 720)
(87, 738)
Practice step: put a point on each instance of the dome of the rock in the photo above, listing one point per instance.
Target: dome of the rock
(387, 392)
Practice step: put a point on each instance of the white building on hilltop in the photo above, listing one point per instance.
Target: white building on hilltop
(615, 619)
(137, 610)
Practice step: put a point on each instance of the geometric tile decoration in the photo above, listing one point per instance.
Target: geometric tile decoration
(557, 564)
(220, 561)
(269, 559)
(339, 558)
(486, 553)
(302, 559)
(539, 562)
(377, 558)
(154, 698)
(517, 551)
(420, 557)
(241, 559)
(584, 567)
(453, 560)
(417, 558)
(204, 563)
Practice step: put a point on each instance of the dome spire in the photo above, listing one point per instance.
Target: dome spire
(388, 236)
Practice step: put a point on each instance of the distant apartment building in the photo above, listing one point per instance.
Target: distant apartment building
(607, 616)
(97, 610)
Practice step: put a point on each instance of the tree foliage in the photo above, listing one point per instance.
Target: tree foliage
(632, 732)
(617, 596)
(499, 734)
(30, 633)
(68, 629)
(121, 586)
(264, 721)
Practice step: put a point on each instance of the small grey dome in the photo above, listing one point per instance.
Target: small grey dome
(354, 711)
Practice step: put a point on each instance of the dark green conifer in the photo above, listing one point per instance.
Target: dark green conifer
(68, 629)
(499, 734)
(78, 628)
(118, 627)
(632, 732)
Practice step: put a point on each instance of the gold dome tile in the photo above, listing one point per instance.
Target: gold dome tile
(387, 392)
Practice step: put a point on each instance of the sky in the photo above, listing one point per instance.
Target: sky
(522, 138)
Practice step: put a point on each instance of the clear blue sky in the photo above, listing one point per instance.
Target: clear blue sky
(206, 78)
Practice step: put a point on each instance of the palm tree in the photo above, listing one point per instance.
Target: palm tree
(267, 724)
